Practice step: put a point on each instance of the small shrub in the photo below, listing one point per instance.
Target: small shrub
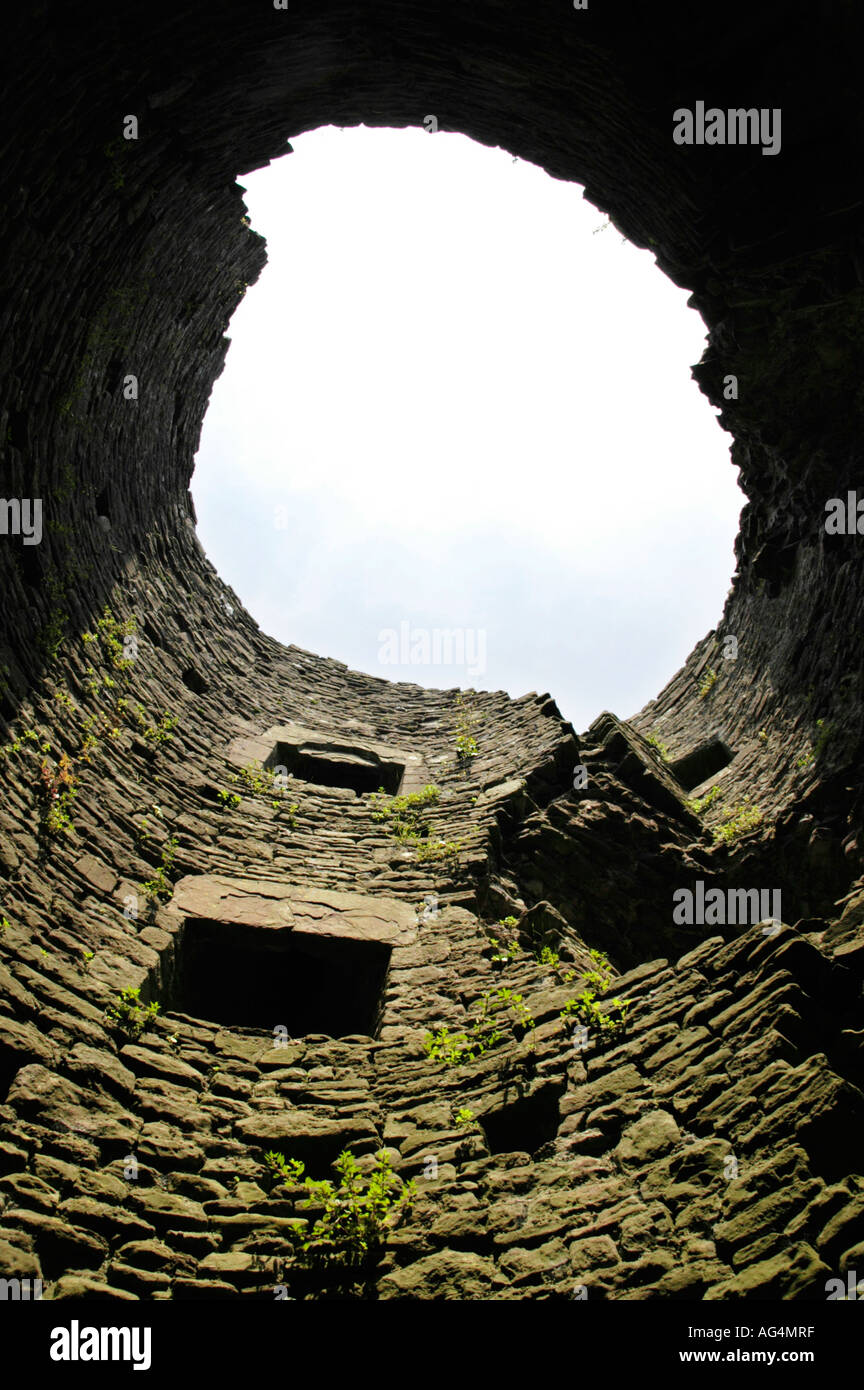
(737, 822)
(702, 803)
(257, 779)
(129, 1015)
(288, 1170)
(709, 680)
(438, 850)
(157, 888)
(454, 1048)
(506, 948)
(402, 813)
(466, 744)
(602, 977)
(287, 814)
(156, 734)
(660, 748)
(466, 747)
(608, 1020)
(57, 791)
(357, 1211)
(823, 738)
(450, 1048)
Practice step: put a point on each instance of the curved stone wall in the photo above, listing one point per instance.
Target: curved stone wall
(641, 1161)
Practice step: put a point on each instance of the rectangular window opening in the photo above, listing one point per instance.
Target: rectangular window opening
(701, 763)
(249, 977)
(361, 770)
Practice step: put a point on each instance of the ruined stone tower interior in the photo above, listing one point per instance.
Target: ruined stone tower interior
(622, 1104)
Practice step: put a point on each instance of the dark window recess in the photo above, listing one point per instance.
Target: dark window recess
(338, 765)
(700, 764)
(524, 1125)
(254, 978)
(11, 1063)
(194, 681)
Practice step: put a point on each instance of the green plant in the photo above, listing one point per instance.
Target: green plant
(763, 735)
(464, 1116)
(5, 924)
(736, 822)
(403, 812)
(438, 849)
(466, 747)
(129, 1014)
(110, 634)
(157, 888)
(450, 1048)
(57, 791)
(454, 1048)
(824, 737)
(551, 960)
(229, 800)
(602, 977)
(287, 814)
(53, 630)
(466, 719)
(549, 957)
(257, 778)
(356, 1211)
(157, 734)
(516, 1005)
(702, 803)
(289, 1170)
(506, 949)
(659, 748)
(707, 683)
(610, 1019)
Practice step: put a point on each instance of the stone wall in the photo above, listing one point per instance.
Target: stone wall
(704, 1149)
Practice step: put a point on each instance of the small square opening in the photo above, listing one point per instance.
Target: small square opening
(247, 977)
(701, 763)
(361, 770)
(524, 1125)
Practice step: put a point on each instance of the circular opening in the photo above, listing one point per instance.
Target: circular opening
(456, 441)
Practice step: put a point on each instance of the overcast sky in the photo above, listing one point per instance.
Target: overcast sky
(452, 403)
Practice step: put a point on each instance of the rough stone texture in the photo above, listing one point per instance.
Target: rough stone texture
(708, 1151)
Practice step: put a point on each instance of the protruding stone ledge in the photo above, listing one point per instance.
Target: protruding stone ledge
(271, 906)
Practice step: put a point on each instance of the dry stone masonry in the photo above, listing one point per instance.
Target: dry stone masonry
(191, 814)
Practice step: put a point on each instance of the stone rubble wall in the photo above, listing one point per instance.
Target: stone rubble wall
(708, 1149)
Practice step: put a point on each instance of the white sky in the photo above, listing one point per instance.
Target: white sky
(450, 401)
